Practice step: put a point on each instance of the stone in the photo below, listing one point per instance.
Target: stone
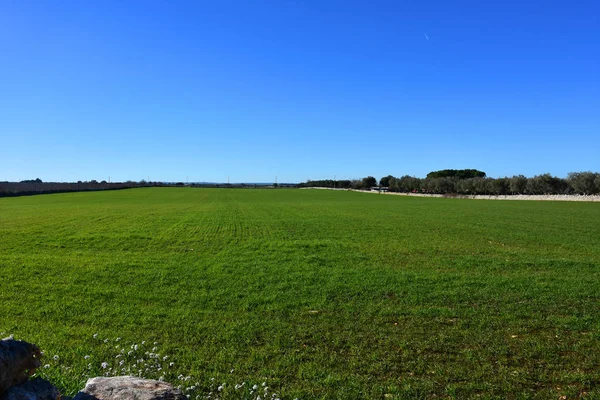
(35, 389)
(128, 388)
(18, 361)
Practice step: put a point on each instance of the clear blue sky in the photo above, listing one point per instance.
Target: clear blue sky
(297, 89)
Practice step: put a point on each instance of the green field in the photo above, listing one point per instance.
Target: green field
(320, 294)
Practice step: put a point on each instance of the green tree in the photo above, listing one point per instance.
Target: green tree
(369, 182)
(385, 181)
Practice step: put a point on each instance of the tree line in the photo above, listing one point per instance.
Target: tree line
(473, 182)
(37, 186)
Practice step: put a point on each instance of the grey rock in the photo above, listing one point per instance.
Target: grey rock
(18, 361)
(128, 388)
(35, 389)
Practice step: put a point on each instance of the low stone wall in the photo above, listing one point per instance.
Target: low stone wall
(19, 361)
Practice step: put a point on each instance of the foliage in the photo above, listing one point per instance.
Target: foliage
(584, 182)
(455, 181)
(457, 173)
(369, 182)
(385, 181)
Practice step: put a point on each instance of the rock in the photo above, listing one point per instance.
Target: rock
(18, 361)
(35, 389)
(128, 388)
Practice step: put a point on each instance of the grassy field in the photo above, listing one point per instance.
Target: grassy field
(320, 294)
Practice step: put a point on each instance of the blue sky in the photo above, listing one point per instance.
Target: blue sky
(297, 89)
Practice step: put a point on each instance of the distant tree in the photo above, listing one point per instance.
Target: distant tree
(94, 182)
(385, 181)
(547, 184)
(439, 185)
(517, 184)
(457, 173)
(369, 182)
(406, 184)
(584, 182)
(356, 184)
(498, 186)
(37, 180)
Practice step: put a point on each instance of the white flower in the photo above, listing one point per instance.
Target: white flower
(104, 365)
(86, 357)
(254, 387)
(95, 335)
(47, 366)
(55, 357)
(220, 388)
(171, 364)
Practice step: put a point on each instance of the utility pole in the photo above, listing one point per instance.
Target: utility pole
(334, 181)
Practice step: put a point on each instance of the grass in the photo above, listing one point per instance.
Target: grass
(320, 294)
